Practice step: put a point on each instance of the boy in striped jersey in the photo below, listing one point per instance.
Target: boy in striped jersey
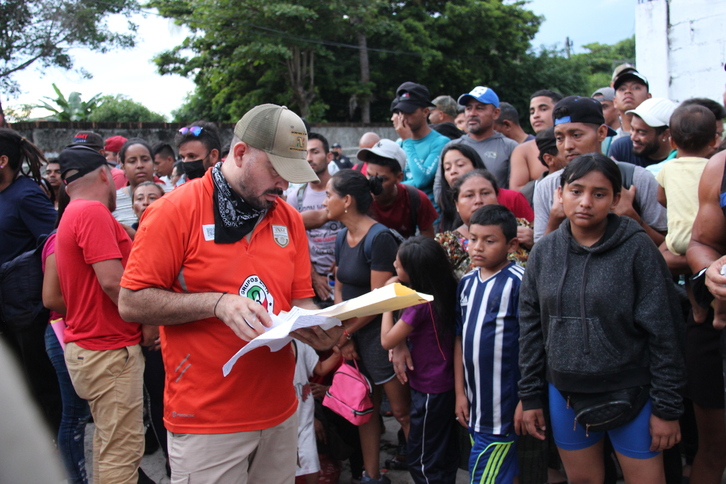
(487, 349)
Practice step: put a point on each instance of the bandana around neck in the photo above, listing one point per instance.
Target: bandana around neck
(233, 217)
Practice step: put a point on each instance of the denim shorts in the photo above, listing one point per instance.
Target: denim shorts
(631, 440)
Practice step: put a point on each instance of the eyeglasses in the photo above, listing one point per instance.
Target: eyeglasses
(194, 130)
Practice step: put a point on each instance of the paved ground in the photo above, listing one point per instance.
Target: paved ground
(153, 465)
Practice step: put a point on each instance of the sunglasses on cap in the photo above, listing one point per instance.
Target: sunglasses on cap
(194, 130)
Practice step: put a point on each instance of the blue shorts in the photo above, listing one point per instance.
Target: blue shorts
(631, 440)
(493, 458)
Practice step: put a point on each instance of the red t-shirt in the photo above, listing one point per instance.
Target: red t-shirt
(88, 234)
(517, 203)
(177, 233)
(397, 216)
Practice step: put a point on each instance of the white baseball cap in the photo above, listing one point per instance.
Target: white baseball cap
(387, 149)
(656, 111)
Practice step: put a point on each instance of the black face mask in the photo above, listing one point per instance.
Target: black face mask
(193, 169)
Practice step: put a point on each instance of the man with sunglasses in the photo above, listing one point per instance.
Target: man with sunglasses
(199, 148)
(226, 252)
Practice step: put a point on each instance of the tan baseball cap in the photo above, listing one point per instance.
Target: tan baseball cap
(282, 135)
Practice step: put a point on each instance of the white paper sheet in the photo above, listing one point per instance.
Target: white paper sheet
(387, 298)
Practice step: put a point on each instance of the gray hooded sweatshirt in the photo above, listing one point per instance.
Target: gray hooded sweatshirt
(601, 318)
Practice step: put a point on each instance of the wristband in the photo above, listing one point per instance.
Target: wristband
(217, 303)
(348, 336)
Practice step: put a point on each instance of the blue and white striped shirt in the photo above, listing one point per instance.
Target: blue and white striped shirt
(487, 321)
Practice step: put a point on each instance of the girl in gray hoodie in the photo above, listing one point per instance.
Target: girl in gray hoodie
(599, 314)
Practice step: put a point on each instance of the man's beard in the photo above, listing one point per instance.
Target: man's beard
(648, 149)
(260, 203)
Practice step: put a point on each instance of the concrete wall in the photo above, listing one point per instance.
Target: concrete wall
(681, 47)
(53, 137)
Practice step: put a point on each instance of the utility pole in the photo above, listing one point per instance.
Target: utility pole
(568, 46)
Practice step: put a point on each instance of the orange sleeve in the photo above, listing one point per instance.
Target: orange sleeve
(158, 249)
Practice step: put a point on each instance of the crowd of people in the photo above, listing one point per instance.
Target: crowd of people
(577, 274)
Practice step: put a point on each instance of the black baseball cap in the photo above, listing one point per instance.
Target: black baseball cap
(88, 138)
(79, 159)
(580, 110)
(628, 73)
(545, 139)
(411, 96)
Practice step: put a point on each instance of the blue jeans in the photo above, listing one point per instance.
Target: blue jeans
(75, 414)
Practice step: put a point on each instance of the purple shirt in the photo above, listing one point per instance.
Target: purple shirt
(431, 351)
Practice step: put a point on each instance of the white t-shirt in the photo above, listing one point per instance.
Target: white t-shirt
(321, 241)
(124, 212)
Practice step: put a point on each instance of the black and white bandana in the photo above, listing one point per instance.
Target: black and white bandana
(233, 217)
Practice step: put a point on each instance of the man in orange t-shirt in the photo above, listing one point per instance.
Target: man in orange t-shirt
(210, 261)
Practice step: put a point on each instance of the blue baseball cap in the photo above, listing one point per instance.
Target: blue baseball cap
(482, 94)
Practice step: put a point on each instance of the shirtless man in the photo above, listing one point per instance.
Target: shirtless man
(524, 163)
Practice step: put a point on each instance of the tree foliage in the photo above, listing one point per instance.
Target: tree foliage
(43, 31)
(307, 54)
(71, 108)
(121, 109)
(342, 60)
(602, 59)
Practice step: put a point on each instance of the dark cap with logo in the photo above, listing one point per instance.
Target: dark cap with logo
(578, 109)
(88, 138)
(411, 96)
(79, 160)
(627, 72)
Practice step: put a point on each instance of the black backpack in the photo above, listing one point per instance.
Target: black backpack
(21, 290)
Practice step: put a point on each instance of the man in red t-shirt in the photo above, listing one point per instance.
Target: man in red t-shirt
(226, 251)
(102, 350)
(403, 208)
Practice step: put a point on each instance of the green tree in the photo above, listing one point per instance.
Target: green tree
(70, 109)
(312, 55)
(121, 109)
(602, 59)
(43, 31)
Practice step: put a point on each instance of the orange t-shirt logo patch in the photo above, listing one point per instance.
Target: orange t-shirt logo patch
(279, 233)
(255, 289)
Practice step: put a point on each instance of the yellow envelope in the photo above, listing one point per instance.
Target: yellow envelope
(387, 298)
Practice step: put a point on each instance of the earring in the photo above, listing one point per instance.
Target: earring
(346, 210)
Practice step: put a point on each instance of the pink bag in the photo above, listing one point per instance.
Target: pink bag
(349, 395)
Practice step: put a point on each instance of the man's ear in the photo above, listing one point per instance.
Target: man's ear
(238, 152)
(399, 176)
(214, 156)
(602, 133)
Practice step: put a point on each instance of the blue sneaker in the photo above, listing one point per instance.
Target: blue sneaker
(369, 480)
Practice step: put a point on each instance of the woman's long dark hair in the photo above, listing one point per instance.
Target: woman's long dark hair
(429, 271)
(356, 184)
(22, 154)
(450, 220)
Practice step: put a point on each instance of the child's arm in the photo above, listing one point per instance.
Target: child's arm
(392, 335)
(662, 196)
(324, 367)
(462, 403)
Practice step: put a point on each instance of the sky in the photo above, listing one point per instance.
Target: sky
(132, 73)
